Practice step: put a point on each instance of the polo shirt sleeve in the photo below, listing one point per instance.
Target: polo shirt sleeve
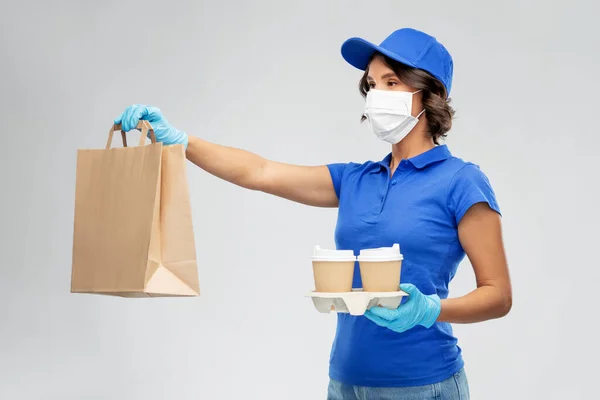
(468, 187)
(337, 173)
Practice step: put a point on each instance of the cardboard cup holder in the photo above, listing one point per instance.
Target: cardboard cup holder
(333, 272)
(355, 302)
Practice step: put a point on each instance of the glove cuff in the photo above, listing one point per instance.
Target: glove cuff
(179, 137)
(433, 311)
(184, 140)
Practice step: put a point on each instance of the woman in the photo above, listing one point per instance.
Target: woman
(439, 208)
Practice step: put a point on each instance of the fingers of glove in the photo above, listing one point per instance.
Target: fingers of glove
(117, 120)
(123, 116)
(152, 114)
(127, 119)
(132, 116)
(136, 112)
(408, 316)
(376, 319)
(384, 313)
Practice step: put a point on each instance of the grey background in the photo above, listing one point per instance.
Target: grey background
(268, 77)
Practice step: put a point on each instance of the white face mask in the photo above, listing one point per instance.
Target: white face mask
(389, 114)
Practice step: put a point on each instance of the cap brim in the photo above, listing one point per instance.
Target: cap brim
(357, 52)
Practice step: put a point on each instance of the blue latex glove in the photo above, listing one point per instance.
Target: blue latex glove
(419, 309)
(163, 131)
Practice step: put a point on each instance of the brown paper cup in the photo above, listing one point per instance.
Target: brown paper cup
(380, 268)
(380, 276)
(333, 276)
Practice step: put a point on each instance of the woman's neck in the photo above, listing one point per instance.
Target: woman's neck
(412, 145)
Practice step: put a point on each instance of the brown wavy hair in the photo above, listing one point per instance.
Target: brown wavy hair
(435, 99)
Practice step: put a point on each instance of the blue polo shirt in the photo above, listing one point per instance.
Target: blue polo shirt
(419, 207)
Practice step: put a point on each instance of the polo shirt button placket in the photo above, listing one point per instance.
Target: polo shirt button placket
(392, 182)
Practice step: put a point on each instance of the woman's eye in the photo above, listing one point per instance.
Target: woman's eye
(392, 83)
(371, 85)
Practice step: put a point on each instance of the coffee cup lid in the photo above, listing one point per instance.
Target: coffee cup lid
(320, 254)
(381, 254)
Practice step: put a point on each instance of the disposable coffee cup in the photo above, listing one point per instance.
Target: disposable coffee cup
(380, 268)
(333, 270)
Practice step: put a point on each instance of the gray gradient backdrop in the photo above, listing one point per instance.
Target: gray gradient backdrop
(268, 77)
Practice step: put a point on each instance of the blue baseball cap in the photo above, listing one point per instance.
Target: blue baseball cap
(407, 46)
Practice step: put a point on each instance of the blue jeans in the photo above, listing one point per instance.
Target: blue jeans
(454, 388)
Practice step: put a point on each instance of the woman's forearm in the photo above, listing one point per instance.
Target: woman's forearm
(237, 166)
(310, 185)
(484, 303)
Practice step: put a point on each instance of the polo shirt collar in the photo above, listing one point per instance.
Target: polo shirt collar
(423, 160)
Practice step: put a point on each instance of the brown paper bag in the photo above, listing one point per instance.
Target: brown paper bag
(133, 234)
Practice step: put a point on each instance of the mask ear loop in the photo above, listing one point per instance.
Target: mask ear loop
(413, 93)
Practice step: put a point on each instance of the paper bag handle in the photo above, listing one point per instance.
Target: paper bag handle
(143, 125)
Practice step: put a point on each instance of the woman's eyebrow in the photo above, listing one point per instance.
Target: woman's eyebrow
(386, 76)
